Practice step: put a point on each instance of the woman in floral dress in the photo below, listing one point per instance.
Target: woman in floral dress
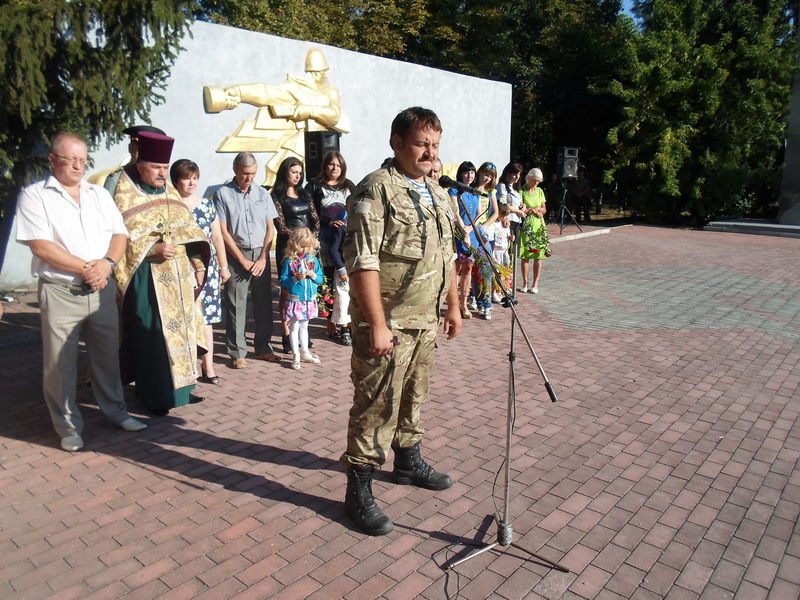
(534, 244)
(184, 175)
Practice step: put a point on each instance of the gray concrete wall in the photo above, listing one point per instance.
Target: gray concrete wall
(475, 113)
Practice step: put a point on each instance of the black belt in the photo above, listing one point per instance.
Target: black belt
(83, 288)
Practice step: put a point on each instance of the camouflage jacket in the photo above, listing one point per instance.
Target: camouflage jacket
(392, 230)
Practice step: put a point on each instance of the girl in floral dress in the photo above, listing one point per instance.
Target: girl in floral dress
(485, 182)
(465, 247)
(301, 275)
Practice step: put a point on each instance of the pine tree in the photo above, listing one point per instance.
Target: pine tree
(88, 66)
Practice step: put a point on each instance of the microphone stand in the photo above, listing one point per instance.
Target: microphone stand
(504, 528)
(565, 211)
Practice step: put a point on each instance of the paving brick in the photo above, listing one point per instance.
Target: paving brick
(694, 577)
(625, 580)
(108, 592)
(186, 590)
(42, 573)
(660, 578)
(223, 571)
(590, 582)
(669, 468)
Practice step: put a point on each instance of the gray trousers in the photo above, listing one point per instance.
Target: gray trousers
(66, 312)
(236, 307)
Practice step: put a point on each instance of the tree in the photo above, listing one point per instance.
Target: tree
(555, 53)
(565, 52)
(92, 67)
(706, 105)
(381, 27)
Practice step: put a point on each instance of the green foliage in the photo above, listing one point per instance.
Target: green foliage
(90, 66)
(705, 107)
(685, 110)
(381, 27)
(566, 52)
(553, 52)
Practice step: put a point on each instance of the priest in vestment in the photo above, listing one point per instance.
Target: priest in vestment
(162, 324)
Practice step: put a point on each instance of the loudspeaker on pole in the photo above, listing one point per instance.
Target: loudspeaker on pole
(567, 162)
(317, 144)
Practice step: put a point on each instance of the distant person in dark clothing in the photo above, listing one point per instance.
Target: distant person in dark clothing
(582, 197)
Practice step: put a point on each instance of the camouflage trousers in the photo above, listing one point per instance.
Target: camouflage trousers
(388, 395)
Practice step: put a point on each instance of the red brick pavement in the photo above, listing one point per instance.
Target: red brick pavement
(668, 469)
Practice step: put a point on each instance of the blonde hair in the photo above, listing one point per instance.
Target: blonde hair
(300, 240)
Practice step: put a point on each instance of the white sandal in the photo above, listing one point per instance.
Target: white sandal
(308, 357)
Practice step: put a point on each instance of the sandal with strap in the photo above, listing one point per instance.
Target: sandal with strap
(308, 357)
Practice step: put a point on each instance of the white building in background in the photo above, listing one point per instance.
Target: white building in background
(475, 113)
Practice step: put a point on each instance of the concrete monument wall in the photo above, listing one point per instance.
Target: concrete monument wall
(475, 113)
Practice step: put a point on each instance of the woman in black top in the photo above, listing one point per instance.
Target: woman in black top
(329, 192)
(295, 209)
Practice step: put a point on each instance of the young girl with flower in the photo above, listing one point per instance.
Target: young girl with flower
(468, 242)
(534, 244)
(485, 182)
(501, 233)
(301, 274)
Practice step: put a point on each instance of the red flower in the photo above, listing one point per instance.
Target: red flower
(548, 254)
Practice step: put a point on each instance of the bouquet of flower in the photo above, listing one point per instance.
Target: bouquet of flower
(538, 240)
(473, 251)
(325, 298)
(506, 276)
(300, 264)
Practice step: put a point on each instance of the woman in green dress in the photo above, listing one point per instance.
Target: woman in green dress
(534, 244)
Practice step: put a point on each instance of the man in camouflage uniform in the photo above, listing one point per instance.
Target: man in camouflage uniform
(400, 255)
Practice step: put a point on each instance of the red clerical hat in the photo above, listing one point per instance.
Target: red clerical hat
(155, 148)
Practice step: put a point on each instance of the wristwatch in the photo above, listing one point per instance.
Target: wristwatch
(112, 261)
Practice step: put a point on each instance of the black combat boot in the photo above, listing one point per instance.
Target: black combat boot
(360, 503)
(411, 469)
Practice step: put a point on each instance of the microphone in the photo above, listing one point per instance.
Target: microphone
(446, 182)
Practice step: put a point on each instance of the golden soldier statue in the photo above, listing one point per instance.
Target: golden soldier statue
(287, 110)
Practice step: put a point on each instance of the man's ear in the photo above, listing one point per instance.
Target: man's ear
(396, 141)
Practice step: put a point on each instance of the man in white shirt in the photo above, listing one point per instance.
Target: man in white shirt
(76, 235)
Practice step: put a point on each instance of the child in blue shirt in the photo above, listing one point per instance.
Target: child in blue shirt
(301, 275)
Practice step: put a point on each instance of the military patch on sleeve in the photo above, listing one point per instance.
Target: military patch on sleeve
(361, 207)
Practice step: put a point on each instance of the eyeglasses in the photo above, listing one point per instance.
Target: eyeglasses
(81, 162)
(490, 165)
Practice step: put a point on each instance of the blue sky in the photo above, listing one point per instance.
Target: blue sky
(627, 5)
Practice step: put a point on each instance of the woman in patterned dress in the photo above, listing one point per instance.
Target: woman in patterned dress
(184, 175)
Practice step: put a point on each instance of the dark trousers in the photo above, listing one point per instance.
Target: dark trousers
(236, 307)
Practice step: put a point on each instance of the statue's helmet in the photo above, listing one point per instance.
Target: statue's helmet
(316, 61)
